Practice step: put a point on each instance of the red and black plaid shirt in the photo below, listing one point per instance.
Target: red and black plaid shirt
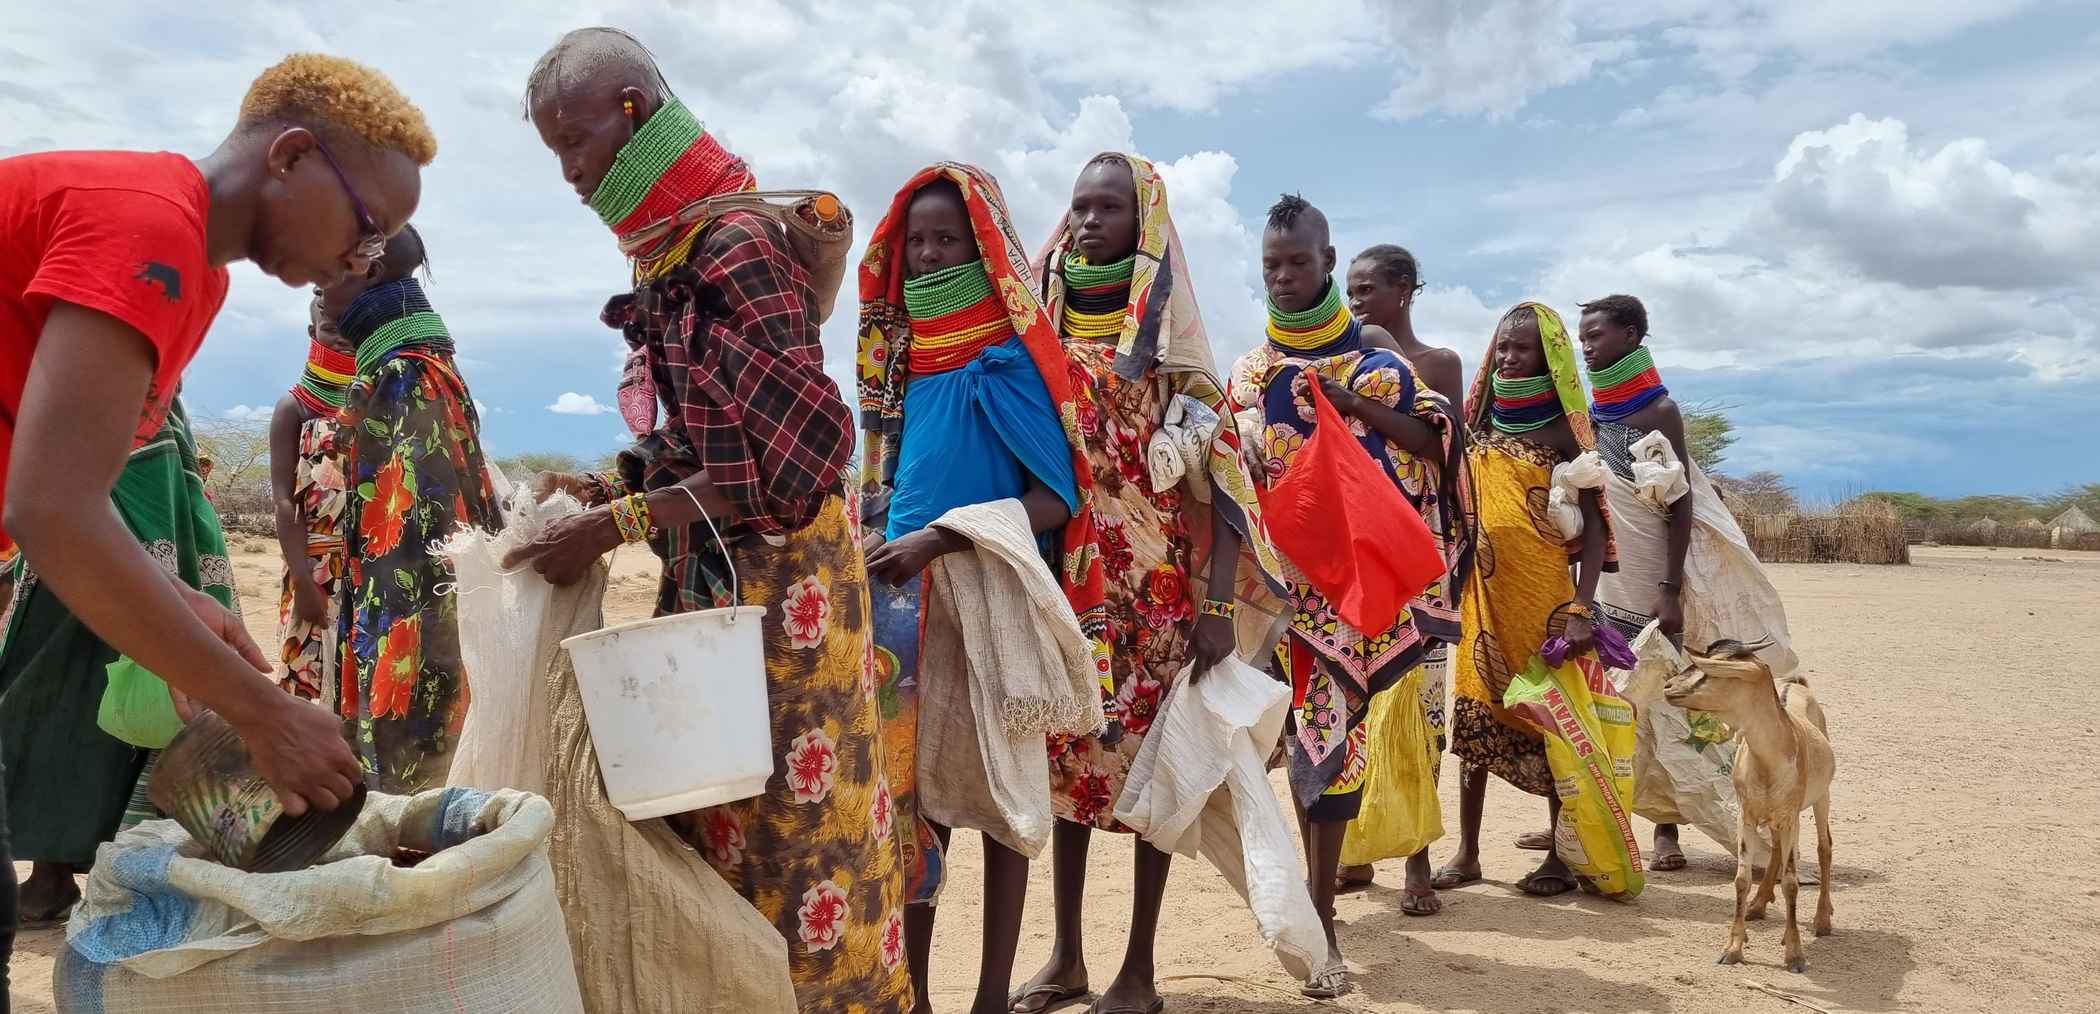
(739, 371)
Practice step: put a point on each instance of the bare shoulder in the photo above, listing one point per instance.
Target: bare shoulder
(1379, 338)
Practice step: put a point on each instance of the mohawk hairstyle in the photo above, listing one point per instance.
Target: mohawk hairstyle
(1622, 311)
(1285, 212)
(340, 99)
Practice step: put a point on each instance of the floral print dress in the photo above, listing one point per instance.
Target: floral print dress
(1334, 668)
(415, 475)
(317, 487)
(1148, 554)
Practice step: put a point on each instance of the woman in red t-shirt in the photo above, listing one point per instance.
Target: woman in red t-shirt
(112, 270)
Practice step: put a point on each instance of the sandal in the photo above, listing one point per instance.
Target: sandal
(1452, 877)
(1546, 885)
(1535, 841)
(1327, 983)
(1346, 884)
(1422, 903)
(1158, 1005)
(1054, 996)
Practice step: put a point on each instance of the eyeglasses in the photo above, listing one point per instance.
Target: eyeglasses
(371, 242)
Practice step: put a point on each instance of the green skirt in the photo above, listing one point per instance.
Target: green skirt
(67, 780)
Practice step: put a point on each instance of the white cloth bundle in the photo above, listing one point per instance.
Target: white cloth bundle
(1004, 664)
(1657, 474)
(1197, 785)
(1564, 502)
(1181, 445)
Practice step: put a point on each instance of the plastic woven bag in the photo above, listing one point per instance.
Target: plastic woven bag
(1589, 737)
(474, 927)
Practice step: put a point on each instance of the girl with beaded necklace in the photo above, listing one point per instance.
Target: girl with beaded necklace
(1685, 567)
(968, 399)
(1411, 433)
(1527, 416)
(1115, 279)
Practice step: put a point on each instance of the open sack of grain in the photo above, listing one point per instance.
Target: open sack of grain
(440, 901)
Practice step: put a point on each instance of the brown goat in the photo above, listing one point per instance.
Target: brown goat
(1783, 765)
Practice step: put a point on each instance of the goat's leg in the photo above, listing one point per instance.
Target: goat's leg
(1791, 881)
(1737, 935)
(1823, 910)
(1766, 886)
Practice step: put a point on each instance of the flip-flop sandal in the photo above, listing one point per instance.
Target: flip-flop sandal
(1053, 995)
(1344, 884)
(1158, 1005)
(1327, 983)
(1411, 902)
(1452, 877)
(1534, 884)
(1668, 862)
(1535, 841)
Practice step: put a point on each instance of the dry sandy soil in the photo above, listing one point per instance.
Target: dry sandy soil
(1967, 874)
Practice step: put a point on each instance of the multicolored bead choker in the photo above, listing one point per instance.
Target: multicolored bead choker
(324, 385)
(1525, 403)
(1324, 330)
(954, 316)
(389, 318)
(669, 163)
(1625, 387)
(1097, 298)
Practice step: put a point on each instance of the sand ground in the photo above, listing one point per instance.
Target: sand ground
(1966, 878)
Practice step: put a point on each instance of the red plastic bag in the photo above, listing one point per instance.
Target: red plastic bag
(1340, 519)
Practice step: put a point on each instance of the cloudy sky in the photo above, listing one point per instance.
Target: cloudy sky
(1870, 229)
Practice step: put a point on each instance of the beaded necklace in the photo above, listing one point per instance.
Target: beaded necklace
(1323, 330)
(1525, 403)
(954, 316)
(1625, 387)
(669, 163)
(391, 317)
(1097, 297)
(324, 385)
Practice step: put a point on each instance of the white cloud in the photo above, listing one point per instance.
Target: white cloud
(244, 413)
(571, 403)
(1955, 216)
(1487, 58)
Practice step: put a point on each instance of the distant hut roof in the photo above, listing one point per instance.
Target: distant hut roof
(2075, 520)
(1987, 525)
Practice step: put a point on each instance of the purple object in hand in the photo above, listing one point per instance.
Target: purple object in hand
(1610, 645)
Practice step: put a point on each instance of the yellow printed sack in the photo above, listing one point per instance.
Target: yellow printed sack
(1589, 744)
(1400, 814)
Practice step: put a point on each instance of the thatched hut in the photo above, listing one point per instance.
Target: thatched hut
(2074, 521)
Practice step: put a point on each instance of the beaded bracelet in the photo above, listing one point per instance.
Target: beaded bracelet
(1583, 610)
(1213, 607)
(631, 516)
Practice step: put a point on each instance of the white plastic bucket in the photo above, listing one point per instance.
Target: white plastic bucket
(677, 709)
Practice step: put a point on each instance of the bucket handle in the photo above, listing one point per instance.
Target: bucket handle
(736, 592)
